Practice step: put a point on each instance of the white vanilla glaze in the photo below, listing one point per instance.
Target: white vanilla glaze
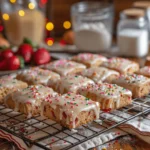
(132, 79)
(104, 92)
(70, 83)
(72, 104)
(32, 95)
(9, 82)
(144, 71)
(38, 76)
(99, 74)
(64, 67)
(89, 58)
(120, 64)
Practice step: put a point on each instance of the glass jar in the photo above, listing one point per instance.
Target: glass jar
(145, 5)
(132, 33)
(92, 25)
(23, 19)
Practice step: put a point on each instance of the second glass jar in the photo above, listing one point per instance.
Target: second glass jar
(132, 33)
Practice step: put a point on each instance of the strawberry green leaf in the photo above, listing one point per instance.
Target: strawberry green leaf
(28, 41)
(22, 63)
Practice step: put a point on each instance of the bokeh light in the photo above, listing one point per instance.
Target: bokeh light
(1, 28)
(49, 41)
(21, 13)
(12, 1)
(43, 1)
(49, 26)
(67, 24)
(31, 5)
(5, 16)
(62, 42)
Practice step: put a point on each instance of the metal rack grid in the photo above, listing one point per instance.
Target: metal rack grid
(45, 133)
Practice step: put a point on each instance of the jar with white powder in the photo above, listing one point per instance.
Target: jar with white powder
(92, 25)
(132, 33)
(145, 5)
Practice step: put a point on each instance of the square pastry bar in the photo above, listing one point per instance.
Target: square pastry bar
(69, 83)
(28, 100)
(110, 96)
(64, 67)
(138, 84)
(100, 74)
(123, 66)
(90, 60)
(145, 71)
(71, 110)
(37, 76)
(8, 84)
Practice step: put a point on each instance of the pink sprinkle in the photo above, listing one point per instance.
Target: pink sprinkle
(29, 137)
(53, 140)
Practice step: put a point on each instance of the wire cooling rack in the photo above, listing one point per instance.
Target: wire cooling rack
(46, 133)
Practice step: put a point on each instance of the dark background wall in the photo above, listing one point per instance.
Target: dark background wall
(59, 11)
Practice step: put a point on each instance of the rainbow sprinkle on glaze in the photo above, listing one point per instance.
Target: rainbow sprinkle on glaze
(9, 82)
(89, 57)
(105, 90)
(120, 64)
(32, 95)
(106, 94)
(145, 71)
(38, 76)
(132, 79)
(99, 74)
(64, 67)
(73, 82)
(71, 105)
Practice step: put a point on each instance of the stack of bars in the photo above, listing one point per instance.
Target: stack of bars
(72, 92)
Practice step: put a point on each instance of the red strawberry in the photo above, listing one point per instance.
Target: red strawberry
(12, 63)
(41, 56)
(7, 53)
(26, 51)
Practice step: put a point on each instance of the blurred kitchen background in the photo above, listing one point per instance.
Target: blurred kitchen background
(58, 16)
(53, 15)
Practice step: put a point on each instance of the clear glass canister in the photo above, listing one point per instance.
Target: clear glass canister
(132, 33)
(145, 5)
(93, 25)
(23, 19)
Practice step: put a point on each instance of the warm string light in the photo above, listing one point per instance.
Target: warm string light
(31, 5)
(49, 26)
(21, 13)
(12, 1)
(67, 24)
(5, 16)
(49, 41)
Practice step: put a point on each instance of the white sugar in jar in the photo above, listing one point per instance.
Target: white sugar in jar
(132, 33)
(93, 37)
(145, 5)
(133, 42)
(92, 25)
